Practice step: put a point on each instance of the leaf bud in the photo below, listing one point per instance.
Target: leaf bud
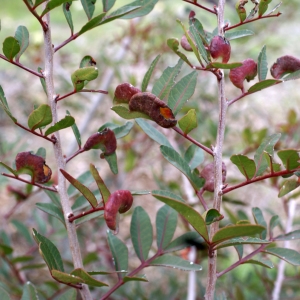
(284, 65)
(220, 47)
(247, 71)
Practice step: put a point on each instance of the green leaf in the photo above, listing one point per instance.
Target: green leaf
(188, 239)
(87, 61)
(88, 279)
(219, 65)
(212, 215)
(148, 74)
(5, 249)
(69, 294)
(293, 235)
(153, 133)
(262, 262)
(65, 277)
(38, 2)
(166, 222)
(53, 197)
(119, 252)
(83, 74)
(242, 241)
(40, 117)
(119, 131)
(177, 161)
(174, 45)
(263, 85)
(136, 278)
(199, 43)
(75, 131)
(4, 294)
(124, 112)
(292, 76)
(66, 122)
(89, 217)
(145, 7)
(42, 80)
(141, 233)
(262, 65)
(22, 36)
(9, 168)
(68, 15)
(85, 178)
(105, 193)
(188, 122)
(23, 230)
(112, 162)
(22, 259)
(232, 231)
(232, 35)
(290, 158)
(194, 156)
(96, 21)
(41, 152)
(89, 7)
(175, 262)
(164, 84)
(53, 4)
(50, 252)
(263, 6)
(52, 210)
(191, 215)
(199, 29)
(108, 4)
(266, 146)
(274, 221)
(182, 91)
(81, 188)
(4, 105)
(119, 13)
(289, 255)
(259, 219)
(288, 186)
(245, 165)
(29, 292)
(11, 47)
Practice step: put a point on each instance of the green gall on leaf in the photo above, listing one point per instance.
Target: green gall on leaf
(118, 202)
(104, 140)
(220, 48)
(124, 92)
(155, 108)
(36, 165)
(247, 71)
(208, 174)
(240, 9)
(284, 65)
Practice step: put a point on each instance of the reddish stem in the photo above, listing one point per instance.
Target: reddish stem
(260, 178)
(206, 149)
(84, 90)
(71, 38)
(30, 182)
(85, 213)
(201, 6)
(200, 196)
(75, 154)
(37, 134)
(32, 10)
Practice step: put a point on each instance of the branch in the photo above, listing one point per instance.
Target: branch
(252, 20)
(83, 214)
(32, 10)
(84, 90)
(201, 6)
(53, 189)
(21, 66)
(71, 38)
(75, 154)
(206, 149)
(260, 178)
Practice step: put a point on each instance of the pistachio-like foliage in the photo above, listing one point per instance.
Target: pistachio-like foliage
(146, 103)
(36, 166)
(119, 201)
(208, 174)
(247, 71)
(284, 65)
(104, 140)
(125, 91)
(220, 48)
(240, 9)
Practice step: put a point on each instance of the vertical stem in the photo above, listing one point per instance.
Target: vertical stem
(62, 189)
(212, 260)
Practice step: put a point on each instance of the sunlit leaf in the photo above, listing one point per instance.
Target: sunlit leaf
(40, 117)
(124, 112)
(11, 47)
(148, 74)
(219, 65)
(22, 36)
(120, 12)
(88, 279)
(83, 74)
(65, 277)
(290, 158)
(53, 4)
(174, 45)
(96, 21)
(100, 183)
(263, 85)
(245, 165)
(66, 122)
(212, 215)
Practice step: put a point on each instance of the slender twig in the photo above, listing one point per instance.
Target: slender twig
(200, 196)
(252, 20)
(13, 269)
(81, 91)
(32, 10)
(53, 140)
(85, 213)
(21, 66)
(201, 6)
(259, 178)
(60, 161)
(71, 38)
(206, 149)
(44, 187)
(75, 154)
